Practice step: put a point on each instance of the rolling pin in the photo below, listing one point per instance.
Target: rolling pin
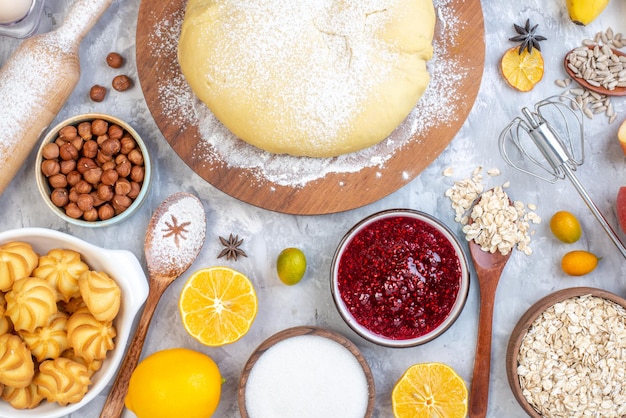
(37, 80)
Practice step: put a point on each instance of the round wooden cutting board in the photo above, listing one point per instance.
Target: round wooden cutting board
(159, 73)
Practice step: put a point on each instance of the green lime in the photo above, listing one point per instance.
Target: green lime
(291, 266)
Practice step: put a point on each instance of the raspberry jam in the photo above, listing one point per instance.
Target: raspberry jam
(399, 277)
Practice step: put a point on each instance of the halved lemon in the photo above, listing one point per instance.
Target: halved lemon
(522, 71)
(428, 390)
(217, 305)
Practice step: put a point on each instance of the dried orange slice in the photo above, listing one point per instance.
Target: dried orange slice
(217, 305)
(429, 390)
(522, 71)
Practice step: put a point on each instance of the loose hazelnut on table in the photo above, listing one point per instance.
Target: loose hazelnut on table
(122, 83)
(97, 93)
(115, 60)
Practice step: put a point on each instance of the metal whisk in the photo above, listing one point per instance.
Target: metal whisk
(548, 143)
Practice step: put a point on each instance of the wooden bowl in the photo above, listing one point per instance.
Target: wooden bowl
(305, 331)
(519, 332)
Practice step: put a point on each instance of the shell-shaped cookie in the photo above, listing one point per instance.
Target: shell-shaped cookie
(17, 260)
(5, 323)
(101, 295)
(22, 398)
(62, 380)
(92, 366)
(30, 303)
(90, 338)
(48, 341)
(61, 268)
(16, 363)
(71, 305)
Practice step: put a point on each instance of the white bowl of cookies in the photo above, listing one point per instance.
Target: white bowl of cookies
(66, 313)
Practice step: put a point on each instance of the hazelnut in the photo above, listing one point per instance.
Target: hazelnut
(115, 132)
(67, 166)
(57, 180)
(137, 174)
(60, 141)
(85, 164)
(59, 197)
(51, 167)
(68, 152)
(105, 192)
(109, 177)
(97, 93)
(68, 132)
(84, 130)
(111, 146)
(91, 215)
(135, 157)
(101, 138)
(73, 195)
(50, 151)
(78, 143)
(96, 199)
(73, 211)
(90, 149)
(135, 188)
(122, 83)
(103, 157)
(122, 187)
(109, 165)
(99, 127)
(73, 177)
(127, 144)
(123, 168)
(120, 203)
(115, 60)
(93, 175)
(106, 211)
(83, 187)
(85, 202)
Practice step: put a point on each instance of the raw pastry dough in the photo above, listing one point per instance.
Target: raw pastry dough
(30, 303)
(312, 79)
(62, 380)
(62, 268)
(101, 295)
(16, 364)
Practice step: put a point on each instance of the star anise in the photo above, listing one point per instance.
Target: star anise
(232, 250)
(527, 36)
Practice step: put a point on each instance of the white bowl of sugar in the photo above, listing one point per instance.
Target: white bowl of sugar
(306, 372)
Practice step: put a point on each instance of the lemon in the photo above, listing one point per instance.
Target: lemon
(176, 382)
(579, 263)
(565, 227)
(428, 390)
(522, 71)
(218, 305)
(291, 266)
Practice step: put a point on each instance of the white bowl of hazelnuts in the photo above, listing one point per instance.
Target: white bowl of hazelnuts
(93, 170)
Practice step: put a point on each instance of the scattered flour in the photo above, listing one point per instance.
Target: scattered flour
(437, 107)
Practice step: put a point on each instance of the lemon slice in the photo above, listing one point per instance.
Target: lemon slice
(522, 71)
(217, 305)
(428, 390)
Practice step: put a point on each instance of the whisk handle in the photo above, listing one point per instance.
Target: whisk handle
(594, 209)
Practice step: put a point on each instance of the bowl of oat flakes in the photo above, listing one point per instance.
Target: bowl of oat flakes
(567, 355)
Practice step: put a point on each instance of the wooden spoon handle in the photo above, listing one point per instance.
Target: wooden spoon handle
(114, 405)
(479, 396)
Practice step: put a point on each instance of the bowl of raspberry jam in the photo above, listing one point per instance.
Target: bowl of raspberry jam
(399, 278)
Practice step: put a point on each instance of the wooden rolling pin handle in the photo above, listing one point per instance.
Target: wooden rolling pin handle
(37, 80)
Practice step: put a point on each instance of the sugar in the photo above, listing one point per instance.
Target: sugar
(307, 376)
(217, 145)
